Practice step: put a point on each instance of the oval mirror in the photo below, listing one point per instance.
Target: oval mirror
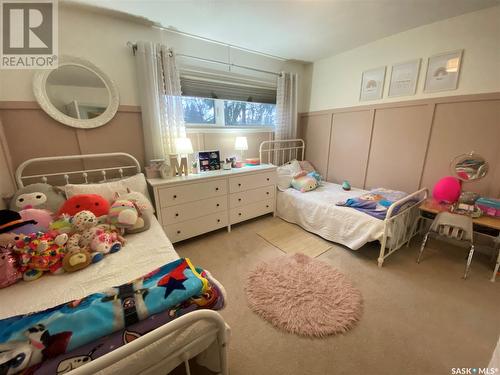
(77, 93)
(469, 167)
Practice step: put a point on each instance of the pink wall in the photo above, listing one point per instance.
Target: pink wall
(405, 145)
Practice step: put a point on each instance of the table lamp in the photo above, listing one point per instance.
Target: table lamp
(241, 144)
(183, 147)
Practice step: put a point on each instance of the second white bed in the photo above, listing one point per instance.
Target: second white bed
(317, 212)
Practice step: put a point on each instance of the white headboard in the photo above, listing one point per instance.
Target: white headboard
(282, 151)
(120, 163)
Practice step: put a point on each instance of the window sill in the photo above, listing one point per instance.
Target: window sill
(227, 129)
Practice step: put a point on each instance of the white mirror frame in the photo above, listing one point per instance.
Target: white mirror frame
(40, 91)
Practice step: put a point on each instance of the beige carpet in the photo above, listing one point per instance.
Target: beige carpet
(418, 319)
(292, 239)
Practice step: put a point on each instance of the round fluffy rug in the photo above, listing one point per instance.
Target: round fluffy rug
(304, 296)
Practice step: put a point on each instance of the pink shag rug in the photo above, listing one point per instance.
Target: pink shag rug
(304, 296)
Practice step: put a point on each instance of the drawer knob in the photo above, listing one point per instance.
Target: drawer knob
(239, 199)
(176, 214)
(218, 204)
(216, 189)
(239, 184)
(267, 179)
(239, 213)
(267, 206)
(218, 220)
(267, 192)
(175, 196)
(178, 232)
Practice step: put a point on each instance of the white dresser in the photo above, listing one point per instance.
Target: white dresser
(188, 206)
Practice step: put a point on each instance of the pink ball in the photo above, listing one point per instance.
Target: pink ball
(447, 189)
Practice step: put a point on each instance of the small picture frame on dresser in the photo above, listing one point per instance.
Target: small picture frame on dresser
(209, 160)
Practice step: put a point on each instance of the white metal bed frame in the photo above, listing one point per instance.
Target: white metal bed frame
(399, 229)
(182, 354)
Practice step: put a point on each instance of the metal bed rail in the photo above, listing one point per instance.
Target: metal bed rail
(279, 152)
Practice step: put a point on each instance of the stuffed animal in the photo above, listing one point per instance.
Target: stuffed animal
(304, 182)
(39, 195)
(76, 259)
(106, 241)
(41, 217)
(142, 205)
(8, 267)
(12, 222)
(125, 215)
(92, 237)
(94, 203)
(39, 253)
(62, 224)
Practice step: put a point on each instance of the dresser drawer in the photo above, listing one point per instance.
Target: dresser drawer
(192, 210)
(187, 229)
(251, 196)
(191, 192)
(251, 210)
(253, 181)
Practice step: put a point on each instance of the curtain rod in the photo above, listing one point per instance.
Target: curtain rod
(278, 74)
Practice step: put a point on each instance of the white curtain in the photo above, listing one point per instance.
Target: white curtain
(160, 94)
(286, 107)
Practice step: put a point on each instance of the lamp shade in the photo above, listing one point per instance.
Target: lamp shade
(241, 144)
(183, 146)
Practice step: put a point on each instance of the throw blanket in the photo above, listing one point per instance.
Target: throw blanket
(377, 202)
(27, 340)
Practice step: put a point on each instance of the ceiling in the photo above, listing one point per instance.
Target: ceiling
(305, 30)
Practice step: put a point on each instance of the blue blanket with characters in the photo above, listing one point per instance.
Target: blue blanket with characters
(376, 202)
(26, 340)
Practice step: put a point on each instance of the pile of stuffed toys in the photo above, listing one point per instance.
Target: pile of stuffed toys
(44, 233)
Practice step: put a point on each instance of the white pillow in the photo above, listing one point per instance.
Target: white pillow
(108, 189)
(286, 173)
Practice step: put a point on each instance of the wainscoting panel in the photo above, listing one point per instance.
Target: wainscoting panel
(350, 146)
(463, 127)
(29, 133)
(410, 144)
(398, 148)
(316, 132)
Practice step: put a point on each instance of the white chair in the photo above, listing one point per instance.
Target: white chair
(457, 227)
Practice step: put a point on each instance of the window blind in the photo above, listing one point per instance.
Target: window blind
(227, 88)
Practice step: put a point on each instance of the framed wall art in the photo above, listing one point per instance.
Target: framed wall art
(404, 78)
(372, 84)
(443, 71)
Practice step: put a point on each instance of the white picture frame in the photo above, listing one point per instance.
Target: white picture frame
(443, 71)
(372, 84)
(404, 78)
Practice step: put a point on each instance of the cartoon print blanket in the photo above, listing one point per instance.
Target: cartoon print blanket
(28, 340)
(376, 202)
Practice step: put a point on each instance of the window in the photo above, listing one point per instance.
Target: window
(199, 111)
(229, 113)
(248, 113)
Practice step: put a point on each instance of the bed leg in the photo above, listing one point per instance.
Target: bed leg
(381, 256)
(229, 229)
(185, 358)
